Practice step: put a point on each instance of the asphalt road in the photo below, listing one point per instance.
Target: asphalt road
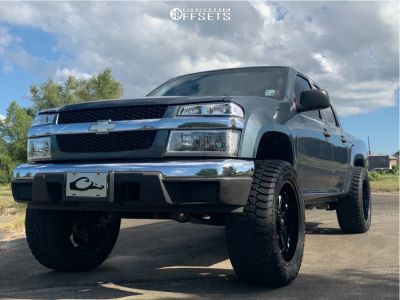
(170, 260)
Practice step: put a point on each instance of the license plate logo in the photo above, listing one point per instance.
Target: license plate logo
(92, 185)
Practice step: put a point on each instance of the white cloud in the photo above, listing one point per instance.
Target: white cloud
(365, 96)
(187, 65)
(323, 61)
(2, 117)
(5, 39)
(265, 10)
(349, 48)
(64, 73)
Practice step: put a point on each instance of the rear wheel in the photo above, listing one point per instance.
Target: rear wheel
(70, 241)
(354, 210)
(266, 241)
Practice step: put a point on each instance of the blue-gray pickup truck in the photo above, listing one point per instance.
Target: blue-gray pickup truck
(247, 148)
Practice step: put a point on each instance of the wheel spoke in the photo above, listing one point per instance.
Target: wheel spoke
(284, 234)
(286, 222)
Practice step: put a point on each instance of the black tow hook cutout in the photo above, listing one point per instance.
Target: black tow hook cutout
(90, 185)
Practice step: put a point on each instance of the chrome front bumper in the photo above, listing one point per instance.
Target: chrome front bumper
(192, 169)
(159, 184)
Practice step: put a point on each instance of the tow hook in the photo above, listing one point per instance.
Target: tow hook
(182, 217)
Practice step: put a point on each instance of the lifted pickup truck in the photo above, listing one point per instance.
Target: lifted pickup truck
(248, 148)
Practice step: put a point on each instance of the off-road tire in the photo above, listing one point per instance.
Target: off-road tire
(354, 211)
(49, 237)
(252, 236)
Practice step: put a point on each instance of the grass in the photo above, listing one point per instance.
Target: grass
(387, 183)
(12, 214)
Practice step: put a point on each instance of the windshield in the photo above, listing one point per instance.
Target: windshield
(264, 82)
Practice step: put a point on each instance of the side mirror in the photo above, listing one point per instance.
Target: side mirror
(313, 100)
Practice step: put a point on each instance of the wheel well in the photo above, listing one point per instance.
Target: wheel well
(275, 145)
(359, 162)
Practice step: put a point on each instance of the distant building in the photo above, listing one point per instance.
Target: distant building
(395, 160)
(382, 162)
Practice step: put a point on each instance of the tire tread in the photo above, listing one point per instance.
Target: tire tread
(349, 210)
(251, 235)
(44, 232)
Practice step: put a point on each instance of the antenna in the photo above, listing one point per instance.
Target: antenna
(369, 147)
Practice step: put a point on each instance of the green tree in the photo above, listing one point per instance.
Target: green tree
(52, 94)
(207, 172)
(13, 138)
(397, 152)
(4, 162)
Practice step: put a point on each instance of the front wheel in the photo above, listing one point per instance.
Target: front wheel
(266, 241)
(71, 241)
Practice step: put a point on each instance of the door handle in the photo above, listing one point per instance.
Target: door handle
(342, 139)
(326, 133)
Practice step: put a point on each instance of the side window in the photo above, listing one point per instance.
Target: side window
(301, 84)
(330, 117)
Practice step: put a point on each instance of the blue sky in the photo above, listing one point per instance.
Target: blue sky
(382, 126)
(351, 49)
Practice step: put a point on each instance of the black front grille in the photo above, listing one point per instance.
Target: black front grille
(112, 113)
(111, 142)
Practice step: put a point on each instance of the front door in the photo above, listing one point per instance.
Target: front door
(313, 148)
(314, 155)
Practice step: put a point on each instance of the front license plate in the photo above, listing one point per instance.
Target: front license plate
(89, 185)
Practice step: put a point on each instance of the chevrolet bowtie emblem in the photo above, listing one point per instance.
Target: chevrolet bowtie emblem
(102, 127)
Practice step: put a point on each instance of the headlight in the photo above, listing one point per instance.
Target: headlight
(39, 148)
(203, 142)
(211, 109)
(43, 119)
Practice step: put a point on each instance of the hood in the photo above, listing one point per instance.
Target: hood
(246, 101)
(147, 101)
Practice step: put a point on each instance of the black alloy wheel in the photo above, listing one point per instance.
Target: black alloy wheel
(287, 221)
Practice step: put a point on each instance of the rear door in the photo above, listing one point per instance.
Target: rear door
(314, 151)
(340, 150)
